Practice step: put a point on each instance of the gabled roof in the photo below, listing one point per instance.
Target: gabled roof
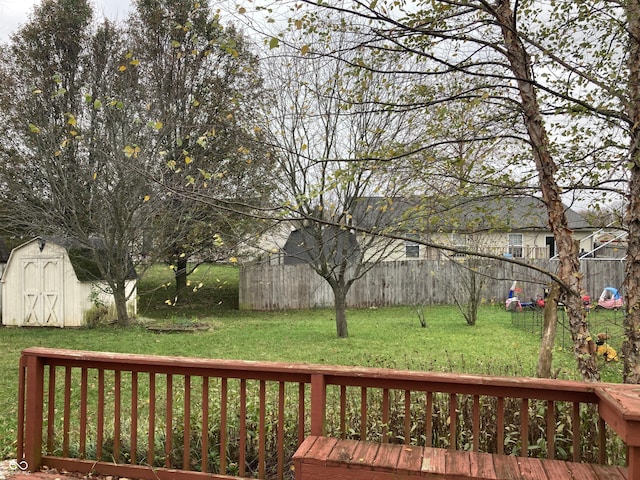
(81, 257)
(302, 246)
(460, 214)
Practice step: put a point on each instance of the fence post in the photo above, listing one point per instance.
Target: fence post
(318, 403)
(34, 412)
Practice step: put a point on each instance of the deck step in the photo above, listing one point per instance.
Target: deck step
(325, 458)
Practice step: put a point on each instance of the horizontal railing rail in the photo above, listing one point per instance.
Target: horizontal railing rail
(157, 417)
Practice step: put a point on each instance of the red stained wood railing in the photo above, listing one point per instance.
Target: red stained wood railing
(154, 417)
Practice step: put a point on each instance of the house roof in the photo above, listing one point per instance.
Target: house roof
(460, 214)
(302, 246)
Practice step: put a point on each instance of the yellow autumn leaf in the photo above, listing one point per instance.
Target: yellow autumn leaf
(147, 198)
(33, 128)
(122, 68)
(135, 62)
(187, 160)
(304, 50)
(233, 260)
(95, 175)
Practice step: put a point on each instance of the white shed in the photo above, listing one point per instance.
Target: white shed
(47, 283)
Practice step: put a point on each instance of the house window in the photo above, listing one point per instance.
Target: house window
(515, 245)
(411, 248)
(459, 241)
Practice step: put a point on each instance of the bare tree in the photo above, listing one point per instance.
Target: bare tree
(332, 155)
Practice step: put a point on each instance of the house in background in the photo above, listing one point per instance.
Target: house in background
(515, 227)
(54, 283)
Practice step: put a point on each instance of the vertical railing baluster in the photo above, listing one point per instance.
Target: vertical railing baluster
(204, 437)
(428, 421)
(22, 377)
(301, 413)
(243, 426)
(343, 411)
(186, 431)
(575, 417)
(51, 408)
(363, 413)
(117, 411)
(407, 417)
(223, 425)
(453, 419)
(385, 415)
(33, 413)
(602, 441)
(67, 412)
(476, 423)
(500, 425)
(100, 419)
(168, 441)
(524, 427)
(152, 419)
(551, 429)
(83, 413)
(318, 404)
(133, 451)
(262, 435)
(281, 426)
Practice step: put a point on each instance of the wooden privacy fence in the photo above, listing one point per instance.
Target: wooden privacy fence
(157, 418)
(282, 287)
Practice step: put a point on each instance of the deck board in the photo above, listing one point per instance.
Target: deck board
(410, 460)
(482, 466)
(342, 452)
(608, 473)
(506, 467)
(364, 455)
(557, 470)
(532, 469)
(433, 463)
(387, 458)
(458, 465)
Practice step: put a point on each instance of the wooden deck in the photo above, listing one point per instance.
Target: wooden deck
(324, 458)
(244, 419)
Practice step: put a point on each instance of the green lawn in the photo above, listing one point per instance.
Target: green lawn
(386, 337)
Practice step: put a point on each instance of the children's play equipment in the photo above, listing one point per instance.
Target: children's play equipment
(610, 299)
(513, 303)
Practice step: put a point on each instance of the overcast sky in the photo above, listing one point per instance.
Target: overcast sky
(13, 13)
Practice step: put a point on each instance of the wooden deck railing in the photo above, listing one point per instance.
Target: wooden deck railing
(155, 417)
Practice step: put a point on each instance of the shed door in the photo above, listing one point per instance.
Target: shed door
(42, 292)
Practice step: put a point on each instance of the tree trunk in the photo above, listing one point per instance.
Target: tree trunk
(569, 264)
(631, 344)
(340, 295)
(181, 278)
(120, 300)
(545, 356)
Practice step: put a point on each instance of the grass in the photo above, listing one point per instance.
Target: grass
(386, 337)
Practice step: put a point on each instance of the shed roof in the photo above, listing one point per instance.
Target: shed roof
(81, 257)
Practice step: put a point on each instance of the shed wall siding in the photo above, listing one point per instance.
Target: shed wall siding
(34, 278)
